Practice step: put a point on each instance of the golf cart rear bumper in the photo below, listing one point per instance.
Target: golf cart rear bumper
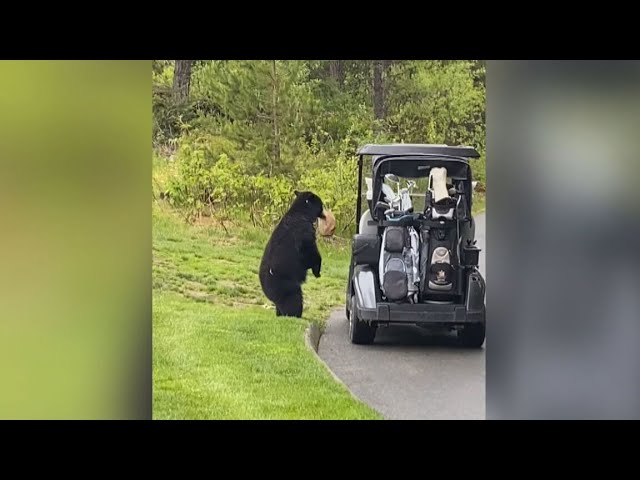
(420, 314)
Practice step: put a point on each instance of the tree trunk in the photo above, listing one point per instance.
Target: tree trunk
(386, 66)
(378, 91)
(274, 115)
(336, 71)
(182, 80)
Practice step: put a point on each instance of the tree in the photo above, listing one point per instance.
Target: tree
(182, 80)
(433, 101)
(274, 114)
(378, 92)
(386, 66)
(336, 71)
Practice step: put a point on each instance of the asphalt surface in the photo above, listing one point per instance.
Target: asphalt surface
(410, 373)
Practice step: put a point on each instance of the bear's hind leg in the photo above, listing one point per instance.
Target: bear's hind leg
(291, 305)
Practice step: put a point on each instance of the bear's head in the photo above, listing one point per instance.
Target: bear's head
(309, 204)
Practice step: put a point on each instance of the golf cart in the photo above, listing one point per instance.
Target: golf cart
(416, 265)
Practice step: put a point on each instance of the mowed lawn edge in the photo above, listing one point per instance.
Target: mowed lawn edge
(219, 352)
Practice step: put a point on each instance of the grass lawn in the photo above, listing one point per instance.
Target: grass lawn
(479, 202)
(219, 352)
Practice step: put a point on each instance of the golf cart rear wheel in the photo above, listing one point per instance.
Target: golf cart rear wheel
(472, 335)
(360, 333)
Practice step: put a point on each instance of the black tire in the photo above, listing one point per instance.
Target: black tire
(360, 333)
(347, 307)
(472, 335)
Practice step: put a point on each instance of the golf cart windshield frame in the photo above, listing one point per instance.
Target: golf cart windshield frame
(413, 165)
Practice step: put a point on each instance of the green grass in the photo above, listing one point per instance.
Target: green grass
(479, 202)
(219, 351)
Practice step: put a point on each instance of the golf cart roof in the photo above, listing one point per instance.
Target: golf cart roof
(401, 149)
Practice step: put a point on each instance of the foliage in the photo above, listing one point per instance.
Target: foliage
(253, 131)
(210, 179)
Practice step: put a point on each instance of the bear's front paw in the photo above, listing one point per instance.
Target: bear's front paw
(316, 273)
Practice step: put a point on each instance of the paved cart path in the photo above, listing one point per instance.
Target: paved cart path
(410, 373)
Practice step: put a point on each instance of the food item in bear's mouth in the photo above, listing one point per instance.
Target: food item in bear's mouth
(327, 226)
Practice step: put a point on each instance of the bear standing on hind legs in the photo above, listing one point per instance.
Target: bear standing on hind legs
(290, 252)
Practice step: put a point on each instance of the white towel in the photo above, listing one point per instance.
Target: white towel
(438, 181)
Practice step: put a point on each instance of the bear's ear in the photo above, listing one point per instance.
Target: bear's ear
(297, 193)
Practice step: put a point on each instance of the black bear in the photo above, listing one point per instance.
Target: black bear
(290, 252)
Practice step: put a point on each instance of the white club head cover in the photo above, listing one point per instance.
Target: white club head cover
(438, 182)
(388, 193)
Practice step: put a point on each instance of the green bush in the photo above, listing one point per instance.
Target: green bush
(207, 177)
(210, 180)
(248, 137)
